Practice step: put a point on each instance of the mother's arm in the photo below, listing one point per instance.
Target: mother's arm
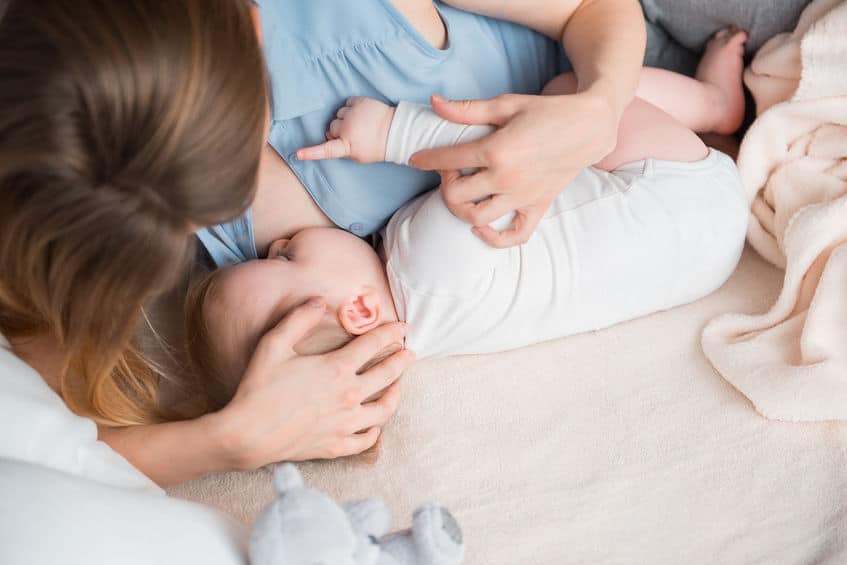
(287, 407)
(543, 142)
(604, 39)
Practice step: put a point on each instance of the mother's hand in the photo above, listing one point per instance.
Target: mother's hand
(541, 144)
(295, 407)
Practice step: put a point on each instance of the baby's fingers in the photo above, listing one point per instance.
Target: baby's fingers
(332, 149)
(335, 129)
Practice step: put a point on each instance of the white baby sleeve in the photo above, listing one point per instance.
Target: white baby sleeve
(417, 126)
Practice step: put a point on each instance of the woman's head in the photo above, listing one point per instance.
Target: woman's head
(124, 126)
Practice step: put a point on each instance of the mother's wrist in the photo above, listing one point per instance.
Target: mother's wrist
(227, 442)
(608, 94)
(236, 445)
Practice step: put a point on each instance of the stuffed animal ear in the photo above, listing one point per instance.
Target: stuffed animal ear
(436, 535)
(287, 477)
(370, 516)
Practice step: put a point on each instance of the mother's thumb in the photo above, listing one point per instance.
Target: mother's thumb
(494, 111)
(295, 325)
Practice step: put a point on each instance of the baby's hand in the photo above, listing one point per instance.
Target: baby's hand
(358, 132)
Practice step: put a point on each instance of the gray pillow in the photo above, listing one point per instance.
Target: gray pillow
(677, 30)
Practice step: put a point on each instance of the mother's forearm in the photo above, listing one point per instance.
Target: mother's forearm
(173, 452)
(605, 40)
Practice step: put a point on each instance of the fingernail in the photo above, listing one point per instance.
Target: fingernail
(316, 302)
(438, 98)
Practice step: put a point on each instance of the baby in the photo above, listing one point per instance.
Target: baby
(658, 223)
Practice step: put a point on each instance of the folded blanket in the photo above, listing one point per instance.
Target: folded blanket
(792, 361)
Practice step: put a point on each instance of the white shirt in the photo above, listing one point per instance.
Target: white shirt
(613, 246)
(67, 498)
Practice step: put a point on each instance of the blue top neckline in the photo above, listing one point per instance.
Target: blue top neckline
(413, 32)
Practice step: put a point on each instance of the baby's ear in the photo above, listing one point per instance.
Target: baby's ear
(360, 314)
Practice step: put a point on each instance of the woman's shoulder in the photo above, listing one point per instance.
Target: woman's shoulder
(299, 30)
(311, 48)
(322, 51)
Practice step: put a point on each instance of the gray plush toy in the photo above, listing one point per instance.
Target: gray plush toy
(303, 526)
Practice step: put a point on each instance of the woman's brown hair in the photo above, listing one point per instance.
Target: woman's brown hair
(123, 126)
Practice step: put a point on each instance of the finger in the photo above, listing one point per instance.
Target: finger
(353, 100)
(294, 326)
(332, 149)
(356, 353)
(484, 212)
(335, 128)
(455, 157)
(380, 357)
(378, 412)
(462, 193)
(494, 111)
(518, 233)
(449, 176)
(385, 373)
(343, 111)
(357, 443)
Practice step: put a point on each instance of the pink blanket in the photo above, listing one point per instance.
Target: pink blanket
(791, 362)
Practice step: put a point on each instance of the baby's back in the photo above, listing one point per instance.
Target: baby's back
(614, 246)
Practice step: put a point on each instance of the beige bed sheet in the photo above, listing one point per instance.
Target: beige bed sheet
(618, 446)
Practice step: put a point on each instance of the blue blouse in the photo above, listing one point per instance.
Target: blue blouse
(320, 52)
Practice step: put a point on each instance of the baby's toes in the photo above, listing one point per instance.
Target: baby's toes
(738, 39)
(729, 35)
(724, 34)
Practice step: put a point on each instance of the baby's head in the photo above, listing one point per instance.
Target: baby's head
(230, 309)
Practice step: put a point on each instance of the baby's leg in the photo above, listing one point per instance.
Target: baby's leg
(645, 132)
(713, 101)
(668, 106)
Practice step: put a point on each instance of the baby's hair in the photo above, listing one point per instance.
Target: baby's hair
(203, 358)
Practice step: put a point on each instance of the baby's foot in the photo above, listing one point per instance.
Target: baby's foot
(721, 67)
